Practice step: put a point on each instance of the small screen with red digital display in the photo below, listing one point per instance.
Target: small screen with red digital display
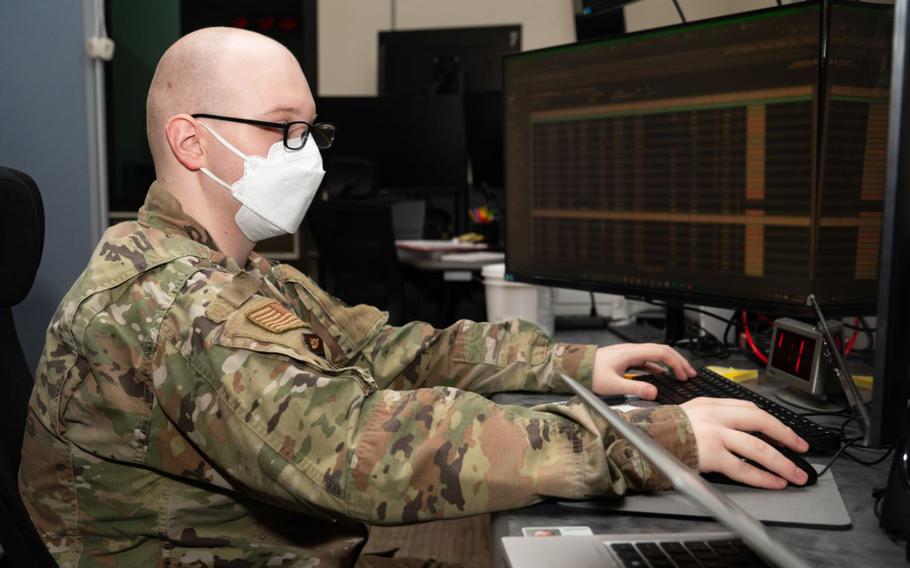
(793, 353)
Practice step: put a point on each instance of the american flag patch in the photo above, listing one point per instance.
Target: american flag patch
(275, 318)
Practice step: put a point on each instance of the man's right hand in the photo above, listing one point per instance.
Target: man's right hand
(721, 427)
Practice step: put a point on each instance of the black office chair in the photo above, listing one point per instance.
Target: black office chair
(357, 258)
(21, 242)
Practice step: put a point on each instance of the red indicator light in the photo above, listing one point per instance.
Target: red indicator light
(288, 24)
(240, 22)
(266, 23)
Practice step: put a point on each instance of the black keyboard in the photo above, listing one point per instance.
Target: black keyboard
(686, 554)
(708, 383)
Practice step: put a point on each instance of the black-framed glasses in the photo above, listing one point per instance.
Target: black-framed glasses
(295, 133)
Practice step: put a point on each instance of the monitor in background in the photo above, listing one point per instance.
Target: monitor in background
(449, 60)
(599, 19)
(484, 137)
(714, 163)
(410, 142)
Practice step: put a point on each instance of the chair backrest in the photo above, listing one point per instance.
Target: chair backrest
(21, 243)
(357, 258)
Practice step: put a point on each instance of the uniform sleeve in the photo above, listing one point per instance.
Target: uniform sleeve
(262, 415)
(479, 357)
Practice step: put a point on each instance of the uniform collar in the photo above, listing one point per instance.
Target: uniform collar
(163, 212)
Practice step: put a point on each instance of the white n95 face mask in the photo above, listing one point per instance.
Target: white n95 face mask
(275, 191)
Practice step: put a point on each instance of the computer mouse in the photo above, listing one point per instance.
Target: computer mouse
(791, 455)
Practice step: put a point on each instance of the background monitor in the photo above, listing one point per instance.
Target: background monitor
(484, 137)
(598, 19)
(410, 141)
(448, 60)
(714, 162)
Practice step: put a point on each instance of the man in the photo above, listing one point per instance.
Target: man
(196, 405)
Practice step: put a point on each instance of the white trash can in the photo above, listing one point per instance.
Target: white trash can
(514, 300)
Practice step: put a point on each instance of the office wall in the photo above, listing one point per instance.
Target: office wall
(348, 28)
(348, 31)
(43, 113)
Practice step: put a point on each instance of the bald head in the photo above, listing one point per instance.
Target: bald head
(215, 70)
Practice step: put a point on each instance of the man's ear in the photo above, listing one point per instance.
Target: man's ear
(181, 132)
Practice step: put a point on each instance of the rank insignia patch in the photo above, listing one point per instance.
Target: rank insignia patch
(275, 318)
(314, 342)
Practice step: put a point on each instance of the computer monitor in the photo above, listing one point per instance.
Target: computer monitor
(412, 142)
(447, 60)
(891, 386)
(597, 19)
(484, 137)
(715, 162)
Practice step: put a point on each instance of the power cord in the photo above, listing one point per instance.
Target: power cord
(688, 309)
(840, 452)
(848, 443)
(755, 350)
(679, 10)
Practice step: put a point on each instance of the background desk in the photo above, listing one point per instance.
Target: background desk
(865, 544)
(443, 291)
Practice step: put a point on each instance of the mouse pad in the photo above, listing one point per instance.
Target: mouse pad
(819, 506)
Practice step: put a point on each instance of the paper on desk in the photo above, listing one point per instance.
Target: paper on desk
(481, 256)
(427, 245)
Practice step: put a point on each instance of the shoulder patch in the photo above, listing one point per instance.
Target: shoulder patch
(275, 318)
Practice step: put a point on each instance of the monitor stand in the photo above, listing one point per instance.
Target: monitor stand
(674, 329)
(805, 400)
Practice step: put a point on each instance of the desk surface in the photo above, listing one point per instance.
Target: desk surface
(865, 544)
(433, 261)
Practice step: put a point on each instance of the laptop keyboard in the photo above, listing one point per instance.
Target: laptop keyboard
(708, 383)
(686, 554)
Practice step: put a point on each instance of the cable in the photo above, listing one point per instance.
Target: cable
(871, 463)
(838, 454)
(678, 9)
(850, 343)
(727, 331)
(761, 356)
(862, 327)
(843, 427)
(688, 309)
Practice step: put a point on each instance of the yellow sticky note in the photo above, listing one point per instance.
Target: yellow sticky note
(735, 375)
(862, 381)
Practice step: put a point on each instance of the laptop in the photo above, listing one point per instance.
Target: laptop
(747, 543)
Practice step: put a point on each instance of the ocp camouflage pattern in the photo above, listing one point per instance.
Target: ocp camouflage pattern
(171, 427)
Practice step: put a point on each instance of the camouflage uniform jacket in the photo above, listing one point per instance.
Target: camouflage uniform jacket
(191, 412)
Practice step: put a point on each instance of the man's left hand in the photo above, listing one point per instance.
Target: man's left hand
(612, 362)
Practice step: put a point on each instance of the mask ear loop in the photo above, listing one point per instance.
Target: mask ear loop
(219, 138)
(227, 145)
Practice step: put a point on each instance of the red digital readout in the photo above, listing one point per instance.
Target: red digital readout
(793, 354)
